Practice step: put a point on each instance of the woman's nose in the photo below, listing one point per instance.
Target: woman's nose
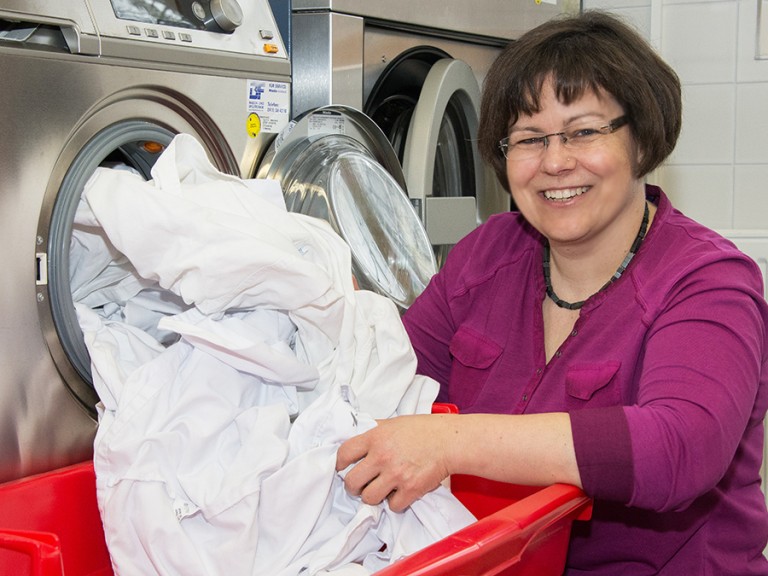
(556, 156)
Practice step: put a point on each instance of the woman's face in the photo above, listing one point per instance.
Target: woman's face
(576, 197)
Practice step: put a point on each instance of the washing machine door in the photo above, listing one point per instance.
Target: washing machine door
(428, 104)
(336, 164)
(440, 144)
(65, 271)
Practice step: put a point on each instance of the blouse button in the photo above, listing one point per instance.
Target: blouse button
(558, 353)
(574, 332)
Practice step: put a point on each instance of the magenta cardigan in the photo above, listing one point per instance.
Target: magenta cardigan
(664, 377)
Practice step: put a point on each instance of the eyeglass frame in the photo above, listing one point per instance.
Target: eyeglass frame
(609, 128)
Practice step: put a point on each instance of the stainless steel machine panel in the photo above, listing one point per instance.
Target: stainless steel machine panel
(66, 111)
(493, 18)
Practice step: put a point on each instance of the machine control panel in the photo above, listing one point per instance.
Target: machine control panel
(190, 32)
(246, 26)
(221, 16)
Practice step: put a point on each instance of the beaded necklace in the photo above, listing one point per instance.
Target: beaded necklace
(619, 271)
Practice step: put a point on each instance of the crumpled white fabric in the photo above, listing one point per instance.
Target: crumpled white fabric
(232, 356)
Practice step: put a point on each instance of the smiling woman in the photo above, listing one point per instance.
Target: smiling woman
(573, 334)
(585, 199)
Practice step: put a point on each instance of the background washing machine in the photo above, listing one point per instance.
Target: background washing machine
(416, 69)
(92, 82)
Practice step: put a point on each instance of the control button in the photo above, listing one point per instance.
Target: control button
(133, 30)
(184, 37)
(151, 33)
(198, 11)
(227, 13)
(266, 34)
(271, 48)
(168, 35)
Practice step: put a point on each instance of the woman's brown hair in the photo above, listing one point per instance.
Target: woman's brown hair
(590, 51)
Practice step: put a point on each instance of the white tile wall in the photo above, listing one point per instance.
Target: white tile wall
(751, 203)
(750, 69)
(719, 172)
(698, 41)
(709, 117)
(751, 127)
(707, 191)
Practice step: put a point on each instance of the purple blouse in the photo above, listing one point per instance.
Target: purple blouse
(664, 377)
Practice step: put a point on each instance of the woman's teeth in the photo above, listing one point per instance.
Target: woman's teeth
(563, 195)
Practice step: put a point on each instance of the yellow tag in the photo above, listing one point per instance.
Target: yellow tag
(253, 125)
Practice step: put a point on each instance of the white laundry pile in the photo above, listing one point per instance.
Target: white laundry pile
(232, 356)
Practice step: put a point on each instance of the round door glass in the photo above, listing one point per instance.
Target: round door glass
(376, 219)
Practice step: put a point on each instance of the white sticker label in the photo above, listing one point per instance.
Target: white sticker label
(183, 509)
(271, 103)
(326, 122)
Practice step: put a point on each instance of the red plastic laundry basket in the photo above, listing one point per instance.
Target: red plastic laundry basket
(50, 526)
(527, 537)
(521, 531)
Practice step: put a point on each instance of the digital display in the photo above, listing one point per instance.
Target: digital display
(176, 13)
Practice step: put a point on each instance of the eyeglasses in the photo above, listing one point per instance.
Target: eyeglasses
(524, 146)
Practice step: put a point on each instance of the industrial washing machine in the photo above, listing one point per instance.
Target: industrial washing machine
(89, 83)
(110, 83)
(415, 68)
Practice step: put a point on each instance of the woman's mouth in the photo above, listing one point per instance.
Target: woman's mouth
(564, 194)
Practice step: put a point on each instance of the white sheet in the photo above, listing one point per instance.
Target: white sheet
(232, 356)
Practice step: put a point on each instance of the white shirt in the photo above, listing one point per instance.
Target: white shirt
(232, 356)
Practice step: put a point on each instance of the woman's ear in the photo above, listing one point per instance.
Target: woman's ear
(638, 158)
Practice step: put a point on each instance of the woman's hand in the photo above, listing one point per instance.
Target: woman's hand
(401, 459)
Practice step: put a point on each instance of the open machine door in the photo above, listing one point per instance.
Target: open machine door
(335, 163)
(428, 105)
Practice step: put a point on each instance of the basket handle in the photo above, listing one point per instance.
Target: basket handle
(43, 549)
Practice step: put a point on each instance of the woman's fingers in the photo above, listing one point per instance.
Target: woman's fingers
(399, 460)
(351, 451)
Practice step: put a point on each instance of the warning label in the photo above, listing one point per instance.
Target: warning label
(270, 103)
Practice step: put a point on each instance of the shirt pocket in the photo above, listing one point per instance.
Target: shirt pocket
(593, 385)
(474, 356)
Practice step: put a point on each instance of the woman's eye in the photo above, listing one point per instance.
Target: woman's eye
(531, 142)
(583, 133)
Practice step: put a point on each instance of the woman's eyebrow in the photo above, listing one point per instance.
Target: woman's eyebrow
(568, 122)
